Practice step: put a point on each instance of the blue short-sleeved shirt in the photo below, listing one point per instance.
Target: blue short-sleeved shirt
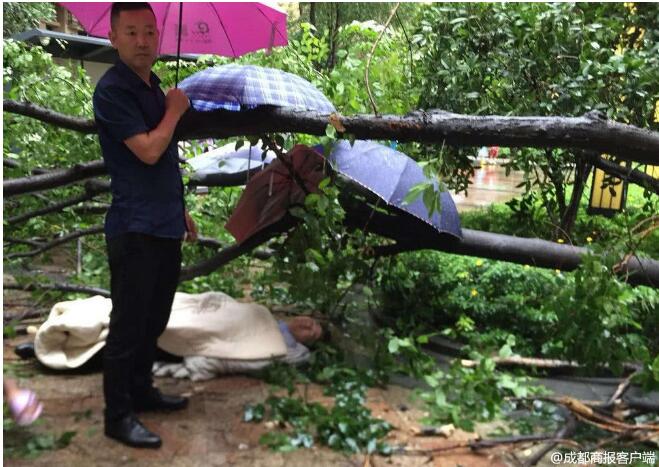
(145, 198)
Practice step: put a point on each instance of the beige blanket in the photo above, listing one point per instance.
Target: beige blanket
(211, 324)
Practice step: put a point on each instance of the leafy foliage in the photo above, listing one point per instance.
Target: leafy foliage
(538, 59)
(33, 145)
(20, 16)
(26, 443)
(576, 315)
(463, 396)
(596, 321)
(345, 426)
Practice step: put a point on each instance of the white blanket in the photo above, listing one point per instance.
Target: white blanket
(210, 324)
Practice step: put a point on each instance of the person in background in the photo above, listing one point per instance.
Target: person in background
(145, 223)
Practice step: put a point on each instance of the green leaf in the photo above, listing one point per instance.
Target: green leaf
(505, 351)
(655, 368)
(431, 380)
(440, 398)
(458, 20)
(324, 183)
(372, 445)
(414, 193)
(429, 200)
(330, 131)
(65, 439)
(297, 212)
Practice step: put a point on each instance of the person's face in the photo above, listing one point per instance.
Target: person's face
(305, 330)
(135, 36)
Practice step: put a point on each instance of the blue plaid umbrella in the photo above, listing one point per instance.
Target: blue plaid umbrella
(390, 175)
(240, 87)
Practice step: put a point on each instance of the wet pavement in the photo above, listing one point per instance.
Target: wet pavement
(210, 432)
(489, 184)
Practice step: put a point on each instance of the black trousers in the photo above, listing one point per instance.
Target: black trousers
(144, 274)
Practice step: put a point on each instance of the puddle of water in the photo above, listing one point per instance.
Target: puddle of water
(488, 185)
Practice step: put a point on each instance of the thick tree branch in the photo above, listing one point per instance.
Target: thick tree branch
(627, 173)
(22, 241)
(517, 361)
(59, 241)
(80, 124)
(590, 131)
(92, 189)
(564, 432)
(209, 242)
(412, 234)
(53, 179)
(232, 252)
(59, 286)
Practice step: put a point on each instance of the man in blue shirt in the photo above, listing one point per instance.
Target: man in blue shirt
(145, 223)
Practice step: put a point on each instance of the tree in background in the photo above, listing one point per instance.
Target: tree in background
(327, 18)
(19, 16)
(540, 59)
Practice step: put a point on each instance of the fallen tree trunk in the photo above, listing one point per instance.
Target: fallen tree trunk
(412, 234)
(532, 251)
(591, 131)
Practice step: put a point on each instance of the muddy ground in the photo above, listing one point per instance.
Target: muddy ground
(210, 432)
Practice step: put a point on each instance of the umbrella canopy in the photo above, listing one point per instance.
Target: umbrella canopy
(225, 166)
(269, 193)
(239, 87)
(390, 174)
(221, 28)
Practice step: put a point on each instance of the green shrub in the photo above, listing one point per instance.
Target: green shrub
(438, 289)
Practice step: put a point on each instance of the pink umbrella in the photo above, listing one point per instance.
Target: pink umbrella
(228, 29)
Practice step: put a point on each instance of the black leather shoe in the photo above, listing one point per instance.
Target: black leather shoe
(130, 431)
(25, 350)
(157, 401)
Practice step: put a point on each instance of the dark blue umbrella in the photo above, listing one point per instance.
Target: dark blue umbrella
(240, 87)
(390, 175)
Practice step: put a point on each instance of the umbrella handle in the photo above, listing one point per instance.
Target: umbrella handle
(178, 46)
(272, 39)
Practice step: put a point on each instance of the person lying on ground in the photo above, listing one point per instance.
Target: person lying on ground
(211, 333)
(299, 333)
